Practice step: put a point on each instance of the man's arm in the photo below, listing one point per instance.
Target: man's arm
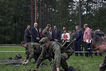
(57, 56)
(44, 32)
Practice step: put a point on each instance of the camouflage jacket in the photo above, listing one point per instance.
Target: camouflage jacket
(54, 50)
(31, 49)
(45, 32)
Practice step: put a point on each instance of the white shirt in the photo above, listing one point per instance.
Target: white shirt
(65, 36)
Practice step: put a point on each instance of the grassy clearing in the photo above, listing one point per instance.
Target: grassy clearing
(80, 63)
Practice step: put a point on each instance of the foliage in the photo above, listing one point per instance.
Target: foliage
(15, 15)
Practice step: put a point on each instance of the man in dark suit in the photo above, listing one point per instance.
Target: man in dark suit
(27, 35)
(78, 37)
(35, 33)
(56, 34)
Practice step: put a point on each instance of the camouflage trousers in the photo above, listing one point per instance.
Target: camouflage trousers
(32, 53)
(102, 66)
(63, 63)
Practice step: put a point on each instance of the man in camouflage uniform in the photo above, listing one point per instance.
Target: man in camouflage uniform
(32, 51)
(45, 32)
(99, 45)
(102, 66)
(54, 51)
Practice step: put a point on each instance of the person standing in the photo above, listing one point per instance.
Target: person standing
(35, 33)
(65, 37)
(45, 31)
(27, 34)
(78, 37)
(87, 38)
(56, 34)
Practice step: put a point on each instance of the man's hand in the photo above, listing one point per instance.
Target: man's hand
(25, 62)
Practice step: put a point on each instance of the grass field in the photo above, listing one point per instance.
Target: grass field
(80, 63)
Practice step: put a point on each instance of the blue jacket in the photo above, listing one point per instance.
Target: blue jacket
(57, 35)
(78, 36)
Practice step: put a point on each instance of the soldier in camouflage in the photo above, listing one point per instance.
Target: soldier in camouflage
(102, 66)
(45, 32)
(32, 51)
(99, 45)
(54, 50)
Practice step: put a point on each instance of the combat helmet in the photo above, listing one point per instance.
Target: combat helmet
(43, 40)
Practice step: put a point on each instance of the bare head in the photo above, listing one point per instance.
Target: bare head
(85, 25)
(77, 27)
(55, 28)
(28, 26)
(98, 29)
(64, 28)
(35, 24)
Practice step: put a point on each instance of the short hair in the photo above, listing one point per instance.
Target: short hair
(35, 23)
(86, 25)
(96, 41)
(78, 26)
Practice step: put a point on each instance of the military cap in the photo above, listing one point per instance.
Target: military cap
(44, 40)
(48, 25)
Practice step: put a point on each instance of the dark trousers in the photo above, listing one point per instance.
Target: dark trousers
(97, 54)
(64, 64)
(77, 47)
(88, 49)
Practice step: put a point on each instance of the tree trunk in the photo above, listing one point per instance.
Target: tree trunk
(35, 11)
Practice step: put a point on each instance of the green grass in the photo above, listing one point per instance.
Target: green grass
(80, 63)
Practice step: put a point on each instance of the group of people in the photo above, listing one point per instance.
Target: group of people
(44, 47)
(82, 39)
(55, 45)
